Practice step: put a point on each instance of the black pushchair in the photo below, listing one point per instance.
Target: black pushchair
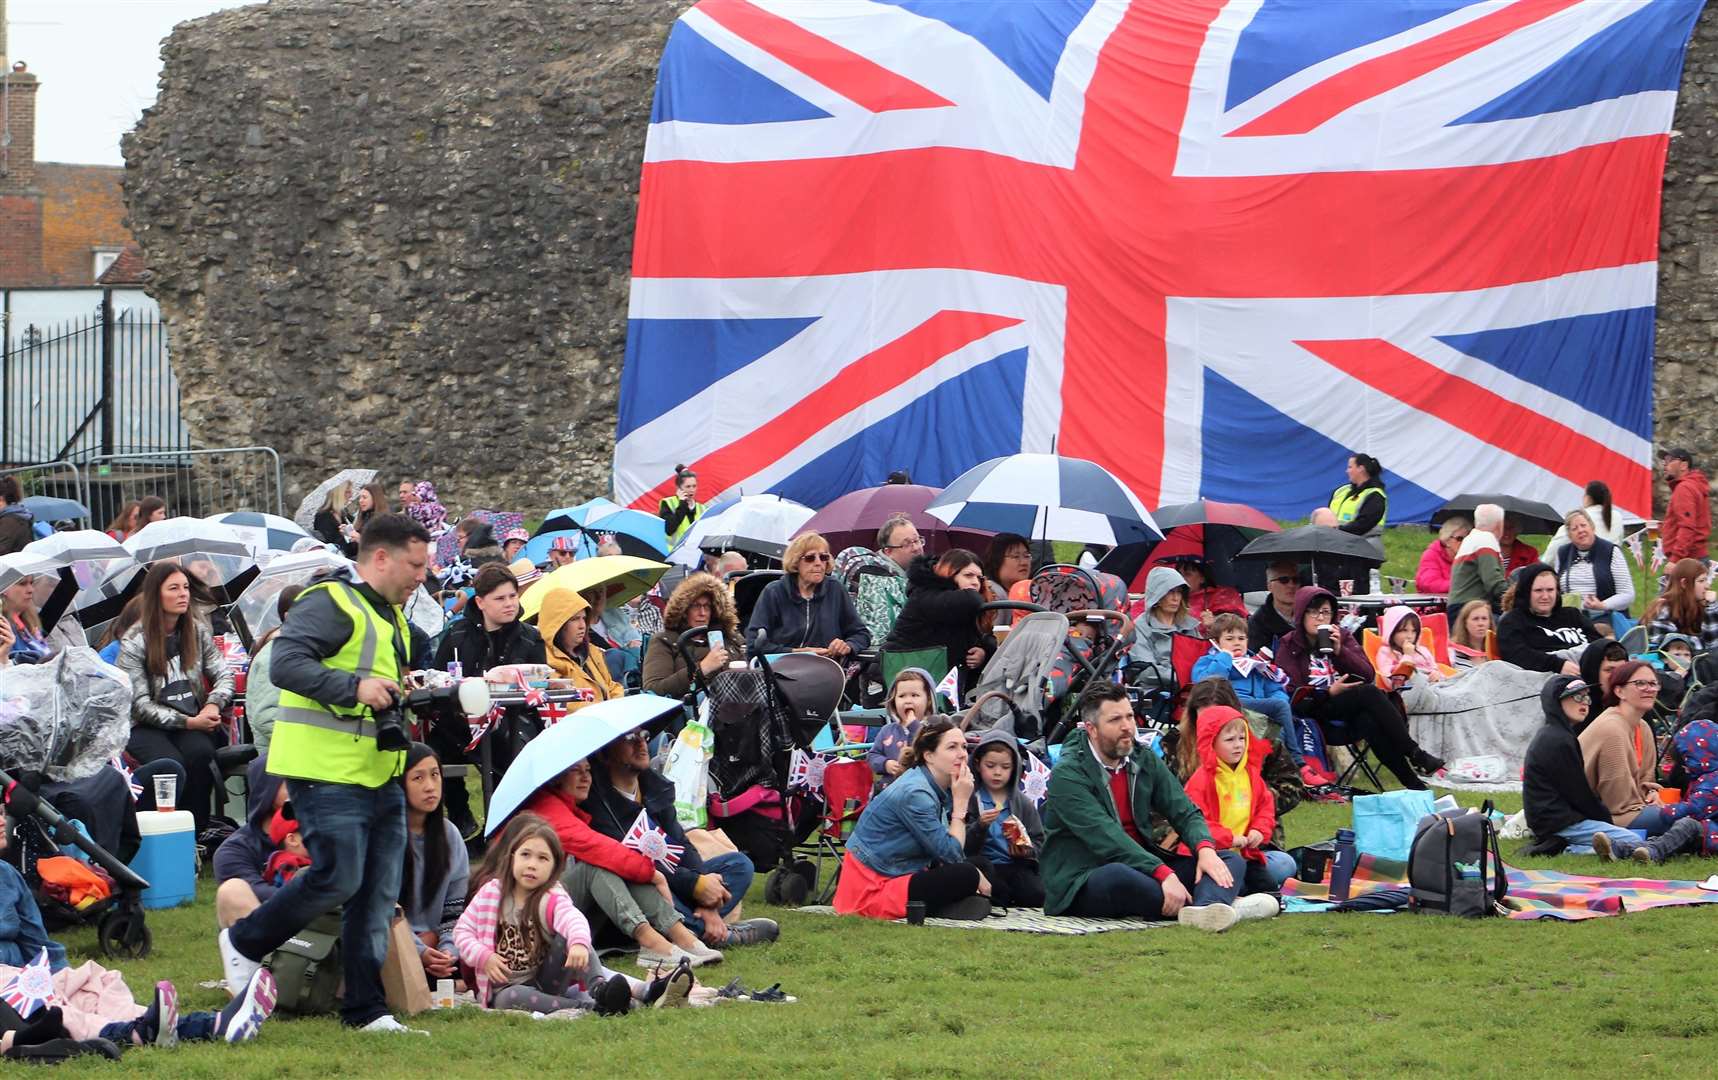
(760, 713)
(61, 723)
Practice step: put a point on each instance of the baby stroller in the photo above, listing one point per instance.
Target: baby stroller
(760, 714)
(61, 724)
(1090, 634)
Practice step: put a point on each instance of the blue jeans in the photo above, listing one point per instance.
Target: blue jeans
(192, 1027)
(356, 837)
(1652, 819)
(735, 869)
(1580, 836)
(1117, 891)
(1277, 710)
(1269, 876)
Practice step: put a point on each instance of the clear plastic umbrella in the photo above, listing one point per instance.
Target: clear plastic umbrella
(217, 555)
(255, 613)
(759, 523)
(87, 556)
(354, 479)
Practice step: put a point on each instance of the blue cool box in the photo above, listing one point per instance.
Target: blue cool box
(167, 857)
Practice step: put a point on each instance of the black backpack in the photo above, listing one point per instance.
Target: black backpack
(1454, 866)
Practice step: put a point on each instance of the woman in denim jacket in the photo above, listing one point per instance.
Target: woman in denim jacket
(909, 846)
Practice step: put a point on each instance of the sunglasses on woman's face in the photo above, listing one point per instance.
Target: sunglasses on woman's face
(817, 556)
(1284, 580)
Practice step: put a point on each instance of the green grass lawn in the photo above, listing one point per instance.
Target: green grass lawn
(1337, 995)
(1303, 994)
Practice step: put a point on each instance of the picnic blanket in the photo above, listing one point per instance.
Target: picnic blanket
(1491, 709)
(1028, 921)
(1533, 894)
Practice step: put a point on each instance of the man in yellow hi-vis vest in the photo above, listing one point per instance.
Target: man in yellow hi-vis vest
(338, 660)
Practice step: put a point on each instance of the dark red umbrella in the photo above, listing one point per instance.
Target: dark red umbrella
(1211, 512)
(853, 519)
(1206, 529)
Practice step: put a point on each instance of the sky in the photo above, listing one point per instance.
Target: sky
(98, 61)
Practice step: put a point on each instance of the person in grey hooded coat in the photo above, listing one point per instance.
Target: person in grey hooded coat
(1012, 849)
(1165, 616)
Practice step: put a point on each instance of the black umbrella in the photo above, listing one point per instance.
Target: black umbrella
(1333, 553)
(1531, 516)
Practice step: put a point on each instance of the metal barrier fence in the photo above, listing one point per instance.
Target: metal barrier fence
(192, 482)
(56, 479)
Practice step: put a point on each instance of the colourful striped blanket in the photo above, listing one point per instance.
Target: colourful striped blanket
(1533, 894)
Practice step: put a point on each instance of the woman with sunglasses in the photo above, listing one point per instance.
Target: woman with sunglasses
(804, 611)
(1620, 756)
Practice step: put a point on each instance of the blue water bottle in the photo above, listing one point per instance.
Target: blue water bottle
(1342, 874)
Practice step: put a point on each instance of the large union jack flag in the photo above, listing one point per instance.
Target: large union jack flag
(1212, 245)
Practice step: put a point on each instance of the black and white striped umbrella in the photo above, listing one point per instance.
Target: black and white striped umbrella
(1046, 497)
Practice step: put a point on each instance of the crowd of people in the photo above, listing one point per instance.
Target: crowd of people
(343, 815)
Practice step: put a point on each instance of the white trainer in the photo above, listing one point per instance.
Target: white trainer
(387, 1023)
(237, 967)
(1258, 906)
(1213, 918)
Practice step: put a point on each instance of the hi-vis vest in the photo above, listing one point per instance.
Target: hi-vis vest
(337, 744)
(1345, 504)
(673, 504)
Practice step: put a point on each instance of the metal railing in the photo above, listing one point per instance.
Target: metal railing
(88, 386)
(57, 479)
(192, 482)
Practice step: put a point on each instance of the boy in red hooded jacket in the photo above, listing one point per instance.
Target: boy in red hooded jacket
(1228, 788)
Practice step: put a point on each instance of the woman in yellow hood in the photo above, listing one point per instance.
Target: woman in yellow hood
(567, 644)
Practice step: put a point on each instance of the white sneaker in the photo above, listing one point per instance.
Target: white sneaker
(1214, 918)
(387, 1023)
(238, 968)
(650, 961)
(1258, 906)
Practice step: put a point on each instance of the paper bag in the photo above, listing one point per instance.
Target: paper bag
(403, 980)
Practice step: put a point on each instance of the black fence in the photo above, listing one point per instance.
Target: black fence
(88, 387)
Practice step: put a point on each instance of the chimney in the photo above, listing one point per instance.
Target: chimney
(17, 129)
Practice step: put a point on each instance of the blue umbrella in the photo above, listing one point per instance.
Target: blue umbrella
(572, 740)
(636, 532)
(1046, 497)
(48, 508)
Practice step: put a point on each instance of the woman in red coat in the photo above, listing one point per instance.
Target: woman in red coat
(610, 882)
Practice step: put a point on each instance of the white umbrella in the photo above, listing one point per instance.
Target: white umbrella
(216, 554)
(305, 515)
(20, 565)
(1046, 497)
(759, 523)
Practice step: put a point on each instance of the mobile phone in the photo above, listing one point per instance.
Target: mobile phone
(717, 640)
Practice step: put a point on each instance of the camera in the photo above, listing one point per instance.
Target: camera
(1326, 641)
(468, 696)
(391, 731)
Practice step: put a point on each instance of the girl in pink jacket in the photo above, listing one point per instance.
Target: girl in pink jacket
(528, 945)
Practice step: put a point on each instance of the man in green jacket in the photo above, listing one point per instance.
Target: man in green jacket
(1098, 859)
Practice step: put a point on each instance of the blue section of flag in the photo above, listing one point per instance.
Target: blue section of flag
(702, 84)
(669, 361)
(1289, 36)
(1638, 53)
(1029, 38)
(970, 418)
(1601, 362)
(1302, 469)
